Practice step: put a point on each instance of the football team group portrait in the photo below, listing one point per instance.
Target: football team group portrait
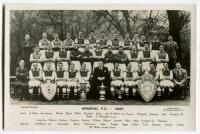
(100, 56)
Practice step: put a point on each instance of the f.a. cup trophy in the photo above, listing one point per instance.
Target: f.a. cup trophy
(83, 92)
(102, 92)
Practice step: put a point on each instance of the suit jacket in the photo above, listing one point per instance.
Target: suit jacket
(180, 76)
(101, 73)
(171, 49)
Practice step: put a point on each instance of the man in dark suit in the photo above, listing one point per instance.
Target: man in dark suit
(180, 77)
(21, 84)
(171, 48)
(101, 76)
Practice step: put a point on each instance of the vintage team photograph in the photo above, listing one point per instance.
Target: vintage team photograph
(100, 57)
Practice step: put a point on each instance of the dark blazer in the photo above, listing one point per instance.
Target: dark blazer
(181, 77)
(101, 73)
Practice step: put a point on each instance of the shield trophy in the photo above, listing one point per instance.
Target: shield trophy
(48, 90)
(147, 87)
(83, 96)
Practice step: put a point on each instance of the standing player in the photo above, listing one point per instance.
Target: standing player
(44, 42)
(161, 57)
(121, 58)
(80, 40)
(49, 57)
(109, 59)
(166, 77)
(75, 57)
(117, 86)
(145, 57)
(135, 41)
(115, 43)
(103, 41)
(63, 57)
(72, 81)
(36, 57)
(142, 43)
(97, 55)
(61, 83)
(35, 76)
(92, 40)
(127, 43)
(155, 47)
(56, 42)
(130, 81)
(68, 42)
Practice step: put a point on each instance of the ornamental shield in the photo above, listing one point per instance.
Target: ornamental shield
(48, 90)
(147, 87)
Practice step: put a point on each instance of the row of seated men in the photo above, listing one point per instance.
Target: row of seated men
(91, 57)
(122, 81)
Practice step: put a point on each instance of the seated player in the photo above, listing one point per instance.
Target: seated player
(44, 42)
(21, 84)
(97, 55)
(155, 74)
(75, 57)
(56, 42)
(180, 79)
(63, 57)
(61, 83)
(117, 86)
(84, 77)
(115, 43)
(87, 57)
(109, 59)
(49, 57)
(127, 44)
(166, 77)
(72, 81)
(121, 58)
(49, 75)
(68, 42)
(35, 76)
(130, 80)
(134, 58)
(155, 47)
(103, 41)
(161, 57)
(140, 71)
(80, 40)
(36, 57)
(145, 56)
